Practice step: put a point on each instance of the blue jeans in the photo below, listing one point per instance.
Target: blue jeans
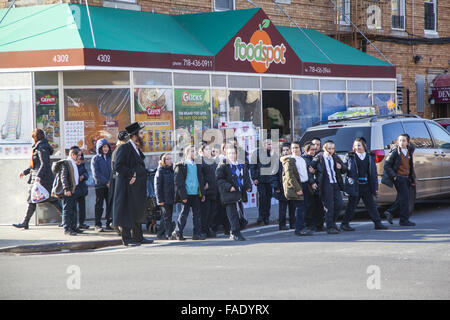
(69, 213)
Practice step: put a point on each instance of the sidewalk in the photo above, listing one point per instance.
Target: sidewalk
(51, 238)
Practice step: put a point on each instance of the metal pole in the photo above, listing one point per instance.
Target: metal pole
(90, 23)
(407, 101)
(7, 11)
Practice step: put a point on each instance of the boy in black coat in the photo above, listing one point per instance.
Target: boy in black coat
(165, 195)
(208, 208)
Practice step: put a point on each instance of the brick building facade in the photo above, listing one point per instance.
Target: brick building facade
(396, 27)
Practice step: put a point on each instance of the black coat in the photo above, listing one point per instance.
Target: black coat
(129, 202)
(180, 181)
(227, 179)
(41, 153)
(351, 186)
(82, 188)
(165, 185)
(209, 176)
(318, 163)
(392, 163)
(277, 184)
(256, 166)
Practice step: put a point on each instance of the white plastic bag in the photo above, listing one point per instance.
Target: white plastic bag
(39, 193)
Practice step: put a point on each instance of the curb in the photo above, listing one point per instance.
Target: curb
(59, 246)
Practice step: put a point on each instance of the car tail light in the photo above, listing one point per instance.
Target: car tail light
(379, 155)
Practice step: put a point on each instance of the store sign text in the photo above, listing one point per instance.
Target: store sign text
(259, 52)
(48, 99)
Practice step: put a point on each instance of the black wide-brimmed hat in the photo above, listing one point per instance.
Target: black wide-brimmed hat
(134, 128)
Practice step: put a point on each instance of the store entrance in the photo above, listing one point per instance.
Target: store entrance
(276, 112)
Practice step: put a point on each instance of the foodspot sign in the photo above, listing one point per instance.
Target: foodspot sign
(259, 51)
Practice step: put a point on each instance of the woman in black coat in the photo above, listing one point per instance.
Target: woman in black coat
(38, 171)
(165, 195)
(234, 183)
(361, 182)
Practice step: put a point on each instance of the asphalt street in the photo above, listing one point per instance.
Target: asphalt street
(399, 263)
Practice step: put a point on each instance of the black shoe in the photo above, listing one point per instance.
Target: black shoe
(108, 227)
(407, 224)
(389, 217)
(60, 225)
(161, 237)
(346, 227)
(131, 244)
(177, 236)
(146, 241)
(77, 230)
(304, 232)
(259, 220)
(266, 221)
(70, 233)
(237, 237)
(283, 228)
(333, 231)
(320, 229)
(211, 234)
(83, 227)
(198, 237)
(380, 226)
(21, 225)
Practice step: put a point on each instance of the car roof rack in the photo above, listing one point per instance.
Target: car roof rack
(370, 118)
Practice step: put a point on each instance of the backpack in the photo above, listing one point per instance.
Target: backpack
(57, 187)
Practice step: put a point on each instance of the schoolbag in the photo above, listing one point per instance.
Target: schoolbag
(57, 187)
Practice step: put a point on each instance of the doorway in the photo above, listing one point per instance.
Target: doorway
(276, 112)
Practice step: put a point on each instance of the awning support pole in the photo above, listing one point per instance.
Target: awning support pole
(357, 29)
(7, 11)
(304, 33)
(90, 23)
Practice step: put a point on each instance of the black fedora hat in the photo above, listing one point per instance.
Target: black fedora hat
(133, 128)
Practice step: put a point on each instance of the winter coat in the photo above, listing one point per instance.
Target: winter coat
(165, 185)
(318, 164)
(180, 174)
(256, 167)
(277, 184)
(64, 178)
(227, 179)
(209, 176)
(112, 180)
(351, 185)
(392, 163)
(101, 167)
(41, 153)
(82, 189)
(129, 201)
(291, 179)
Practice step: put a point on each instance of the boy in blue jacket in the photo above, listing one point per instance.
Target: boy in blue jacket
(101, 172)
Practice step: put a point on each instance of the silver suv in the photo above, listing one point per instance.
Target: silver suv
(431, 156)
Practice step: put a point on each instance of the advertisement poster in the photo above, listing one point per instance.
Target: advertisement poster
(104, 112)
(192, 105)
(154, 109)
(47, 117)
(16, 124)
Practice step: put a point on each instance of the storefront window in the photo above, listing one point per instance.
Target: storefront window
(218, 80)
(88, 78)
(192, 105)
(15, 80)
(154, 109)
(305, 84)
(359, 99)
(219, 107)
(353, 85)
(93, 114)
(385, 103)
(47, 117)
(152, 78)
(306, 112)
(245, 106)
(191, 79)
(332, 85)
(385, 86)
(332, 103)
(46, 78)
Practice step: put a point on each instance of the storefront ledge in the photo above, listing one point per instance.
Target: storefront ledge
(61, 246)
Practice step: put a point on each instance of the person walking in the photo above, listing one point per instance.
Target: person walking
(165, 195)
(262, 179)
(296, 189)
(328, 169)
(233, 183)
(130, 193)
(67, 180)
(283, 203)
(38, 171)
(208, 208)
(189, 191)
(81, 191)
(101, 172)
(361, 182)
(399, 172)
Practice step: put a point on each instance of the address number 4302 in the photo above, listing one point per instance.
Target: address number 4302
(104, 58)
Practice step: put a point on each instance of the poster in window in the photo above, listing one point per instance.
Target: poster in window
(16, 124)
(104, 113)
(47, 117)
(154, 109)
(192, 105)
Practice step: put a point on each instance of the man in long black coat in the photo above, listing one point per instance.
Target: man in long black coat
(130, 188)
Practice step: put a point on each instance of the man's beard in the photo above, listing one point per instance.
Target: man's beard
(140, 142)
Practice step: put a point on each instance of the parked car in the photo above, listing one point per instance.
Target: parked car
(444, 122)
(431, 156)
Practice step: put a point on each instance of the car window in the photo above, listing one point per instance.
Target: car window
(441, 137)
(391, 131)
(342, 137)
(418, 133)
